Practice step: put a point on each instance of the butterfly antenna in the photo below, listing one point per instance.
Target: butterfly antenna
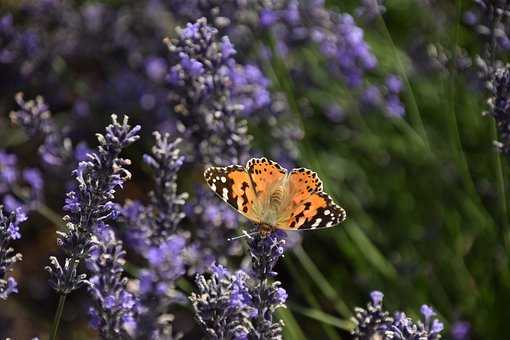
(245, 234)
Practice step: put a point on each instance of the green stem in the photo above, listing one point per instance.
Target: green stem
(58, 316)
(49, 214)
(414, 111)
(322, 282)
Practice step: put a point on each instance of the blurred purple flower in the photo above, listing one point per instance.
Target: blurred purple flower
(461, 330)
(19, 188)
(33, 178)
(335, 113)
(249, 88)
(393, 83)
(370, 9)
(35, 119)
(492, 26)
(8, 171)
(156, 68)
(9, 231)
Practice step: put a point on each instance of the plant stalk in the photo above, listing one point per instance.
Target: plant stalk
(58, 316)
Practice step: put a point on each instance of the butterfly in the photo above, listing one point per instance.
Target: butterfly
(271, 197)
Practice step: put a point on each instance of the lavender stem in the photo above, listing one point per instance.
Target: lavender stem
(58, 316)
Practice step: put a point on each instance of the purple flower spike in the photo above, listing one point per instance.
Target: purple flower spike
(373, 322)
(90, 205)
(153, 232)
(114, 308)
(203, 94)
(223, 304)
(36, 120)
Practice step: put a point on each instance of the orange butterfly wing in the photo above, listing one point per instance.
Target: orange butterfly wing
(317, 211)
(310, 207)
(233, 185)
(303, 182)
(264, 174)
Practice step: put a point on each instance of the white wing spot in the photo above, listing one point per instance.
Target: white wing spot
(329, 224)
(223, 179)
(225, 194)
(213, 187)
(327, 212)
(316, 223)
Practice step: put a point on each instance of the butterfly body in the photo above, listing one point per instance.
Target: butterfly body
(270, 203)
(272, 197)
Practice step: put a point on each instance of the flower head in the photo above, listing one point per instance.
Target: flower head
(90, 204)
(203, 93)
(375, 322)
(223, 304)
(35, 118)
(114, 308)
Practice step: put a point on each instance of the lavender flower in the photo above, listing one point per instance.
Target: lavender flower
(113, 312)
(223, 305)
(370, 9)
(9, 231)
(492, 71)
(91, 202)
(153, 224)
(294, 24)
(267, 296)
(338, 38)
(16, 46)
(19, 188)
(493, 25)
(35, 119)
(152, 230)
(242, 306)
(165, 203)
(156, 288)
(249, 85)
(374, 322)
(499, 107)
(201, 94)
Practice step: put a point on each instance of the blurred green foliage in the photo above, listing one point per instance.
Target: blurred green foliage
(425, 195)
